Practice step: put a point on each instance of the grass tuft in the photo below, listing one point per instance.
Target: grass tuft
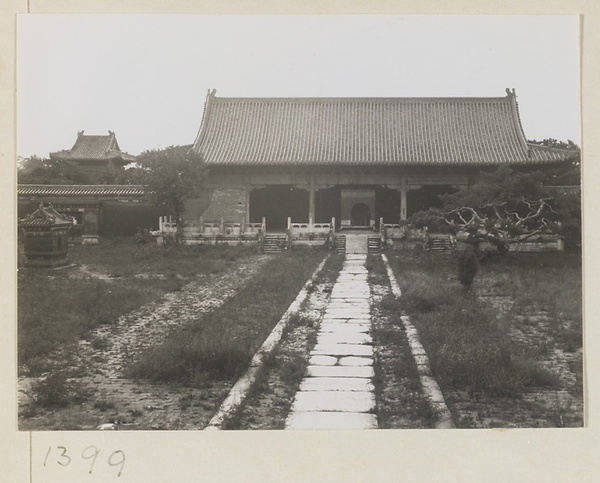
(55, 309)
(469, 346)
(220, 344)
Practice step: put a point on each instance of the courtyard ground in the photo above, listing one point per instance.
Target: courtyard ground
(140, 366)
(508, 351)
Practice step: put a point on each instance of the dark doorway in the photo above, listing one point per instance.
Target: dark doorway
(387, 205)
(328, 205)
(360, 215)
(276, 203)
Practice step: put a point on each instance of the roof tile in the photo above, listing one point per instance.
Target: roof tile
(81, 190)
(358, 131)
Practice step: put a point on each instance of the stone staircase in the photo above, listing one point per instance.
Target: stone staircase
(274, 243)
(440, 245)
(374, 244)
(339, 243)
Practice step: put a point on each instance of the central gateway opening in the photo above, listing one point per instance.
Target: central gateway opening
(360, 215)
(358, 207)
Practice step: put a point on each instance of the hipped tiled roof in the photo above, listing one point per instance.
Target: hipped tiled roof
(81, 190)
(45, 216)
(91, 148)
(366, 131)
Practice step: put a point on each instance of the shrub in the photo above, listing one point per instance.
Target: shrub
(55, 390)
(468, 265)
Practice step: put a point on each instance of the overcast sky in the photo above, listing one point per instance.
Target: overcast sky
(146, 76)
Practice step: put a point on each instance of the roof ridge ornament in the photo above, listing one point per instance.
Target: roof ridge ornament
(510, 93)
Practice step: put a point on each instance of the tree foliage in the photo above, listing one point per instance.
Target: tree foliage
(36, 170)
(564, 174)
(172, 175)
(503, 207)
(506, 206)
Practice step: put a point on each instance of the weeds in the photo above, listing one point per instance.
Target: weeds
(56, 391)
(104, 405)
(469, 347)
(55, 309)
(219, 345)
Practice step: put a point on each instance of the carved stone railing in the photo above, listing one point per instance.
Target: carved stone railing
(209, 232)
(310, 231)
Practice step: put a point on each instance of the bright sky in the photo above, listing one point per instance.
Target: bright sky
(146, 76)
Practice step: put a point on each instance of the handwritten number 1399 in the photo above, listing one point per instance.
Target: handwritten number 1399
(116, 458)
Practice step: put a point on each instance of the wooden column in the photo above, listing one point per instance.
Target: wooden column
(311, 200)
(403, 197)
(247, 188)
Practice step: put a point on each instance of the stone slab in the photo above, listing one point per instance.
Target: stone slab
(346, 307)
(323, 361)
(331, 420)
(362, 305)
(341, 327)
(355, 361)
(351, 277)
(346, 314)
(340, 371)
(341, 337)
(342, 350)
(344, 304)
(352, 310)
(359, 320)
(348, 298)
(351, 294)
(342, 401)
(336, 384)
(358, 284)
(349, 320)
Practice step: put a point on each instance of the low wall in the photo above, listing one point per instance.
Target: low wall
(543, 243)
(405, 243)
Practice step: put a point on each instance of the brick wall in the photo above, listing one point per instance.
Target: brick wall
(229, 203)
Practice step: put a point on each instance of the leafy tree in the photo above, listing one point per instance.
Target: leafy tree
(563, 174)
(172, 175)
(36, 170)
(504, 207)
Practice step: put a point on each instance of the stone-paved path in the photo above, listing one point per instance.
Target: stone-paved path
(337, 392)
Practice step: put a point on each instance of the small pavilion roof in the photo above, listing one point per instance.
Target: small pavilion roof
(366, 131)
(45, 216)
(94, 147)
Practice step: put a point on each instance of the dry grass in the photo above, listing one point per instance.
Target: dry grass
(220, 344)
(55, 309)
(468, 340)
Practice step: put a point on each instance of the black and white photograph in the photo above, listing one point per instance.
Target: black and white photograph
(299, 222)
